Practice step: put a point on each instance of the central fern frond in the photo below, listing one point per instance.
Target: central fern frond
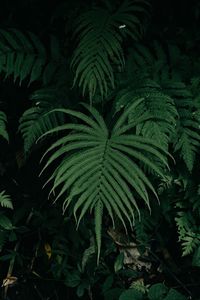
(100, 168)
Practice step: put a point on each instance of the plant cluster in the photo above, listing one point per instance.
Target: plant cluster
(114, 120)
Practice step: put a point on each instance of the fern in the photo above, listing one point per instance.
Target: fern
(3, 131)
(5, 200)
(159, 62)
(189, 235)
(157, 112)
(187, 138)
(175, 110)
(23, 55)
(100, 168)
(35, 121)
(99, 44)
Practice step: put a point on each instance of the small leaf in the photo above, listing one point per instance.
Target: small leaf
(131, 294)
(174, 295)
(113, 294)
(73, 279)
(12, 236)
(119, 262)
(157, 291)
(5, 223)
(107, 283)
(81, 288)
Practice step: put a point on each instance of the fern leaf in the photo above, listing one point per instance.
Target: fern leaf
(100, 44)
(189, 235)
(187, 138)
(36, 121)
(156, 114)
(99, 168)
(24, 56)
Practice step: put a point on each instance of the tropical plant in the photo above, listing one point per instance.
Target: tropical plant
(104, 168)
(129, 158)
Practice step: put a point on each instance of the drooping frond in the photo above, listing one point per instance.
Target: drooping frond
(3, 131)
(35, 121)
(5, 200)
(99, 34)
(24, 56)
(99, 169)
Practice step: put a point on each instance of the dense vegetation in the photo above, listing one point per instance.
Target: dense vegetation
(99, 155)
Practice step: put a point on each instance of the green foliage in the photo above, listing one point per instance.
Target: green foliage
(187, 138)
(171, 110)
(189, 235)
(131, 294)
(24, 56)
(104, 168)
(157, 113)
(156, 292)
(99, 34)
(107, 163)
(36, 121)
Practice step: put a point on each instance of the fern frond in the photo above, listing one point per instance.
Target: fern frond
(35, 121)
(156, 115)
(187, 138)
(5, 200)
(157, 62)
(189, 235)
(100, 45)
(3, 131)
(170, 113)
(100, 168)
(24, 56)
